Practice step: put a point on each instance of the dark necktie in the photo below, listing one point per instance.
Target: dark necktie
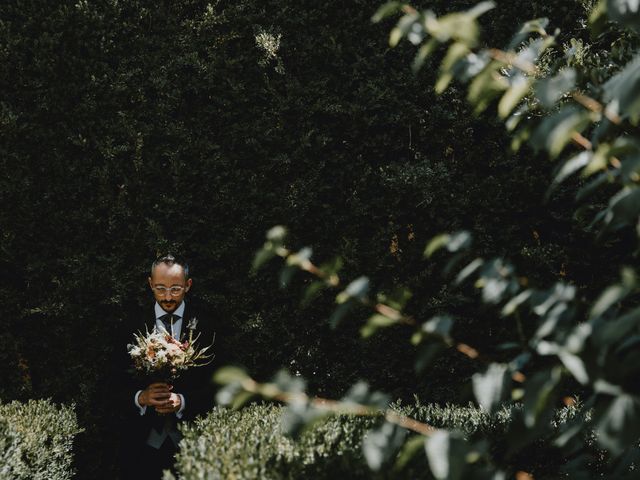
(167, 319)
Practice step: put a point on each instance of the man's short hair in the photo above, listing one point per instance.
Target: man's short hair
(170, 261)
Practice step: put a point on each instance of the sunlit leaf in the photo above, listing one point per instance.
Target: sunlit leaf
(227, 375)
(551, 90)
(598, 161)
(386, 10)
(575, 365)
(490, 387)
(436, 243)
(571, 166)
(277, 234)
(397, 299)
(556, 131)
(469, 270)
(357, 289)
(446, 452)
(486, 86)
(423, 53)
(381, 445)
(537, 25)
(456, 52)
(375, 323)
(404, 26)
(512, 305)
(518, 89)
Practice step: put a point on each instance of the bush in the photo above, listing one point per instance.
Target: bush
(249, 444)
(36, 440)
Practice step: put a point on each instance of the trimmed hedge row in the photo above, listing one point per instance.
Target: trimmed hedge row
(249, 444)
(36, 440)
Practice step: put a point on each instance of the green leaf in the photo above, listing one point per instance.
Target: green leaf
(598, 160)
(404, 26)
(435, 244)
(614, 293)
(375, 323)
(381, 445)
(277, 234)
(615, 330)
(537, 25)
(551, 90)
(598, 18)
(357, 289)
(486, 86)
(386, 10)
(556, 131)
(570, 167)
(618, 423)
(423, 52)
(261, 257)
(623, 209)
(626, 12)
(396, 299)
(512, 305)
(286, 275)
(227, 375)
(427, 354)
(410, 449)
(490, 387)
(439, 326)
(455, 52)
(540, 395)
(469, 270)
(622, 91)
(339, 313)
(575, 365)
(518, 89)
(312, 291)
(447, 454)
(241, 399)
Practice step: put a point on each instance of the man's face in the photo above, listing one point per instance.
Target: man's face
(163, 280)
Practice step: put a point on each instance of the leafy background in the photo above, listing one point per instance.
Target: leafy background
(130, 129)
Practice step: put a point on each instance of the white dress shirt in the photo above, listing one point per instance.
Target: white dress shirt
(176, 329)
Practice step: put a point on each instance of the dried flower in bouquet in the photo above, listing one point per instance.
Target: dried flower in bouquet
(157, 353)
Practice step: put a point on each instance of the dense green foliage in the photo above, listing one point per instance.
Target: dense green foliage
(250, 444)
(580, 106)
(132, 128)
(36, 440)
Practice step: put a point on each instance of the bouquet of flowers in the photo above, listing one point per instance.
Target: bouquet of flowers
(158, 353)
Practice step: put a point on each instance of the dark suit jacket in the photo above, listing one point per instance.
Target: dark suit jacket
(195, 384)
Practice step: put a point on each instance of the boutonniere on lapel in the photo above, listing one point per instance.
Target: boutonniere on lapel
(158, 353)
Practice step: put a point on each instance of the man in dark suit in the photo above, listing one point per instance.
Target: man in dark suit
(154, 408)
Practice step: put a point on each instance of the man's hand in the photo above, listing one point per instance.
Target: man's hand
(171, 405)
(155, 395)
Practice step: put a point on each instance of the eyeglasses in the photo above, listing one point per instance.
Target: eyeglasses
(162, 291)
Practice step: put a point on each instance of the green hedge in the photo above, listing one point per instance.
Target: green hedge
(248, 444)
(36, 440)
